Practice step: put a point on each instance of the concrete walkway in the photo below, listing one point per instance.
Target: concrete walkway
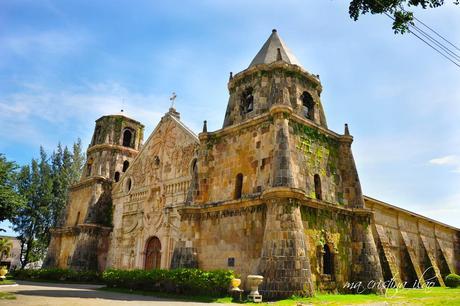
(48, 294)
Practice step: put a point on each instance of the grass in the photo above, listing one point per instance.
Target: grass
(7, 296)
(8, 281)
(429, 296)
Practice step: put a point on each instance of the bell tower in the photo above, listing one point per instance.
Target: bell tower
(81, 239)
(274, 77)
(116, 141)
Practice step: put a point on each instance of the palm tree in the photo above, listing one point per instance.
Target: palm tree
(5, 247)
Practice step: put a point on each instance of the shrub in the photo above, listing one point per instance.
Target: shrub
(452, 280)
(186, 281)
(56, 274)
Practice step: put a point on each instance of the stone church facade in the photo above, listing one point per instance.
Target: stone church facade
(274, 192)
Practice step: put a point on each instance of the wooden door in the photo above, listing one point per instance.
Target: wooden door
(153, 254)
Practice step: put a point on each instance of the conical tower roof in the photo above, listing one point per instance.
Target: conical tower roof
(269, 52)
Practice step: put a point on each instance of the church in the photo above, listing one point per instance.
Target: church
(273, 192)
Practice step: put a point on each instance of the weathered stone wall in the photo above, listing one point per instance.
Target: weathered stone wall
(228, 234)
(247, 149)
(81, 197)
(61, 247)
(316, 152)
(330, 227)
(412, 247)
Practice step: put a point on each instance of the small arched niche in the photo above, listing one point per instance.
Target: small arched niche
(318, 192)
(238, 186)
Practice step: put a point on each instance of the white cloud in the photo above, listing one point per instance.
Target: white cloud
(449, 160)
(49, 42)
(29, 115)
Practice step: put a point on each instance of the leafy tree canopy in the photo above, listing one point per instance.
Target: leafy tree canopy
(44, 186)
(400, 10)
(10, 199)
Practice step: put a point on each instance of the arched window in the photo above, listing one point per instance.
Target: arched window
(117, 176)
(328, 263)
(247, 101)
(195, 176)
(238, 186)
(308, 105)
(78, 218)
(153, 254)
(318, 193)
(125, 165)
(128, 185)
(127, 138)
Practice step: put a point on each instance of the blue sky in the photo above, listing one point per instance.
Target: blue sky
(63, 64)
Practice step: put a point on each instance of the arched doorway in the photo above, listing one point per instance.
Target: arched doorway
(153, 254)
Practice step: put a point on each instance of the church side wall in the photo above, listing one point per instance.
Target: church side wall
(411, 246)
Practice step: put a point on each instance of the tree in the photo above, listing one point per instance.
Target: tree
(399, 9)
(30, 221)
(44, 184)
(78, 161)
(5, 248)
(10, 199)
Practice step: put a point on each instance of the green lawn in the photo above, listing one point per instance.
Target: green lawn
(7, 296)
(7, 281)
(430, 296)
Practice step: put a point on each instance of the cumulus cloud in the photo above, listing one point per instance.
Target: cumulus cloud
(452, 161)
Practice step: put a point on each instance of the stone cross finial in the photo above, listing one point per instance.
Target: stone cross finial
(172, 99)
(231, 76)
